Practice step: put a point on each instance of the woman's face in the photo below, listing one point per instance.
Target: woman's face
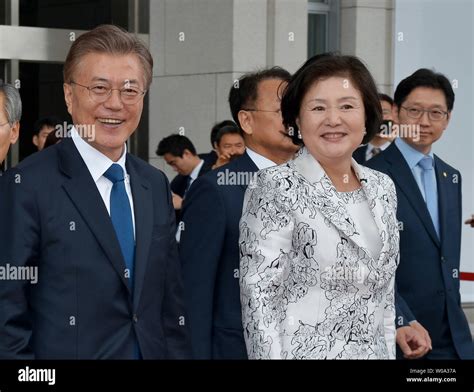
(332, 119)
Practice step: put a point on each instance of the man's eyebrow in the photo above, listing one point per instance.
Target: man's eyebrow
(432, 106)
(126, 81)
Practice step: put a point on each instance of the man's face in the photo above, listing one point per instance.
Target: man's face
(113, 121)
(231, 145)
(8, 134)
(265, 125)
(424, 98)
(182, 165)
(386, 110)
(40, 139)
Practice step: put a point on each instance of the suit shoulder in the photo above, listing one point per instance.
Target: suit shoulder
(146, 170)
(41, 161)
(445, 166)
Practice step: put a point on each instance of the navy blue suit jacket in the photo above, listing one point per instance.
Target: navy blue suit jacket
(427, 277)
(82, 306)
(179, 182)
(359, 154)
(209, 251)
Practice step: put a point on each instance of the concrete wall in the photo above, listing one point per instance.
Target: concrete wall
(201, 47)
(367, 32)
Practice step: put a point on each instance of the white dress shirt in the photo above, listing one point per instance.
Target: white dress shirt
(370, 147)
(260, 161)
(98, 164)
(195, 173)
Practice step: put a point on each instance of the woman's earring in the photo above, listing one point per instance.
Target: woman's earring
(365, 132)
(299, 134)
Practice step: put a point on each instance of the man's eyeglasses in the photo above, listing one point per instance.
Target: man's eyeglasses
(434, 114)
(99, 93)
(278, 111)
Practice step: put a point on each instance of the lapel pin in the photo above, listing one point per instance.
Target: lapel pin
(445, 174)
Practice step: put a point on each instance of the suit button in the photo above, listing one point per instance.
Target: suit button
(443, 259)
(135, 318)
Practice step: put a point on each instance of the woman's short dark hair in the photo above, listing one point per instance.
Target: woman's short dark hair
(325, 66)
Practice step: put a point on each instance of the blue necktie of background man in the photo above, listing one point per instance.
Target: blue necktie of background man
(121, 216)
(428, 178)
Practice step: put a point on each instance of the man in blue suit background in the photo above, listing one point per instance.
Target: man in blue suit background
(209, 249)
(95, 223)
(430, 215)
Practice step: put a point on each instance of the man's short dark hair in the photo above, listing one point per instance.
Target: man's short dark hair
(49, 121)
(386, 98)
(424, 78)
(215, 129)
(229, 129)
(327, 65)
(175, 145)
(243, 92)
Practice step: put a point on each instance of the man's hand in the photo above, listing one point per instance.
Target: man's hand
(177, 201)
(412, 343)
(470, 221)
(423, 332)
(222, 159)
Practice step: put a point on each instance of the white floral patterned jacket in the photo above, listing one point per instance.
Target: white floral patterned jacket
(309, 288)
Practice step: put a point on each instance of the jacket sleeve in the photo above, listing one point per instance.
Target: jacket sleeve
(265, 249)
(200, 247)
(20, 243)
(174, 315)
(389, 317)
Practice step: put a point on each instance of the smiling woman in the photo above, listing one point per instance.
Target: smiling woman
(318, 234)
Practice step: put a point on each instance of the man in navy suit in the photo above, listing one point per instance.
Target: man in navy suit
(94, 224)
(209, 248)
(380, 141)
(429, 212)
(179, 152)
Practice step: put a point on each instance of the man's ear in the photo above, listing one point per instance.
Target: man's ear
(15, 132)
(68, 96)
(395, 111)
(245, 120)
(35, 140)
(448, 118)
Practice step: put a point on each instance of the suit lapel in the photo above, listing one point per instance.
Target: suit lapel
(443, 177)
(143, 209)
(83, 192)
(403, 177)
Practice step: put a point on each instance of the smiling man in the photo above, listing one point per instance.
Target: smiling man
(99, 228)
(212, 210)
(430, 215)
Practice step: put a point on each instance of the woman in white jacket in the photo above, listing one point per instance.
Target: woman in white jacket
(319, 235)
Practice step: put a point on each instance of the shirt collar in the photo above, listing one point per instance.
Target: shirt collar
(260, 161)
(370, 146)
(195, 173)
(411, 155)
(96, 162)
